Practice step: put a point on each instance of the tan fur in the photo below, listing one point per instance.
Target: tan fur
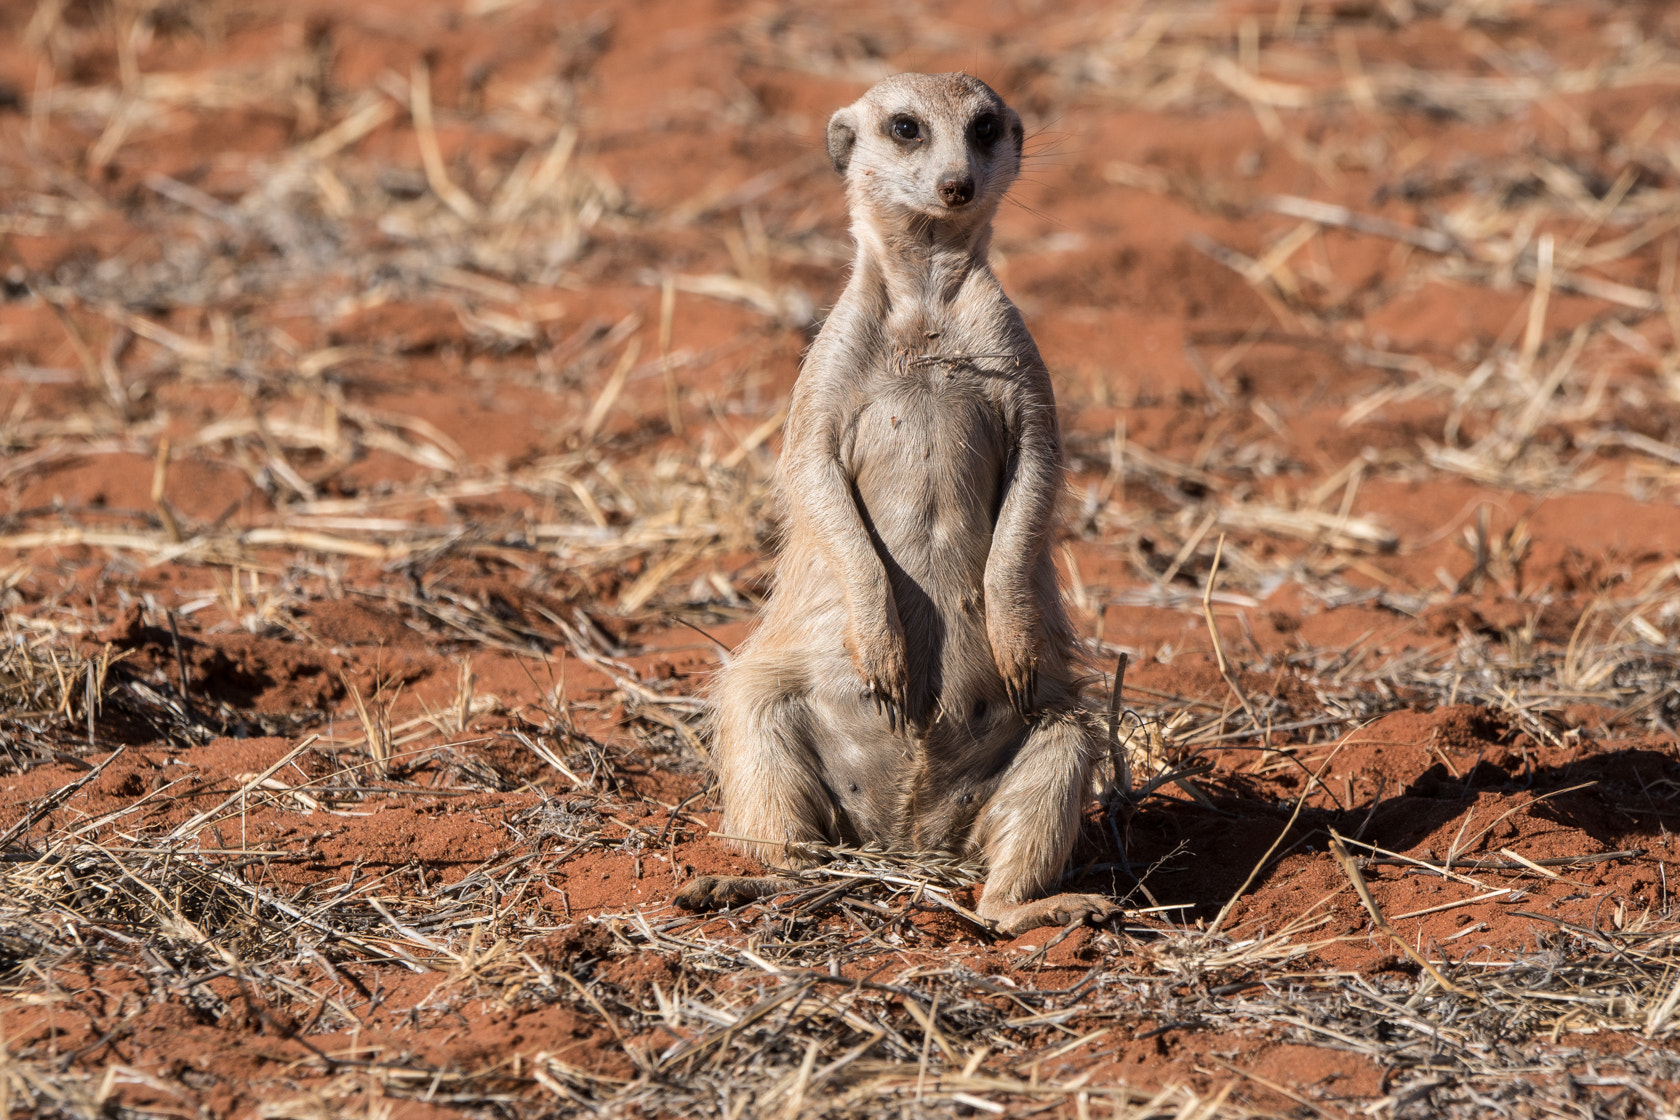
(914, 679)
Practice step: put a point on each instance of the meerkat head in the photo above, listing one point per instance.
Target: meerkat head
(939, 146)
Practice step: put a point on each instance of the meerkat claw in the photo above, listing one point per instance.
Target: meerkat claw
(879, 700)
(1021, 695)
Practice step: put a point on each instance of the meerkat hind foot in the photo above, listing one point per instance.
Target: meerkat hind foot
(1015, 918)
(720, 892)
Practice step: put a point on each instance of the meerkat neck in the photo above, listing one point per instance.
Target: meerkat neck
(918, 267)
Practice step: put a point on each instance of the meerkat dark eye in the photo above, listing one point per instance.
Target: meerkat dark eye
(906, 128)
(986, 130)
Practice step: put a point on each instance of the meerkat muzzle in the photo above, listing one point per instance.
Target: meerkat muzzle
(957, 192)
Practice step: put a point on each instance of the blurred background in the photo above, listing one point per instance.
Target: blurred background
(1340, 281)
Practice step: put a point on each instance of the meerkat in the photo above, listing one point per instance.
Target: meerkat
(914, 679)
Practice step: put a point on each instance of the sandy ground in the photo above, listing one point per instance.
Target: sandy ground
(389, 396)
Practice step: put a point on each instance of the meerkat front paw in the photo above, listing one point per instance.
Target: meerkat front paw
(880, 659)
(1015, 650)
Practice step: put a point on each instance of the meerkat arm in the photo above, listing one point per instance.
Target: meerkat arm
(1018, 540)
(827, 514)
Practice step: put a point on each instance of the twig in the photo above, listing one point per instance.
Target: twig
(53, 800)
(1219, 646)
(1300, 802)
(425, 134)
(1351, 870)
(609, 392)
(199, 820)
(667, 311)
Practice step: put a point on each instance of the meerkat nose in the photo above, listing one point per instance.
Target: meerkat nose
(957, 192)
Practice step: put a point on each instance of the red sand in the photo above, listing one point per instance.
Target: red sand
(680, 107)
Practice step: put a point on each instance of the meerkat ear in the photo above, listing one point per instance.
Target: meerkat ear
(1016, 133)
(842, 137)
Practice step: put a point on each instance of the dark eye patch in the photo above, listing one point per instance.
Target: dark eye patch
(905, 128)
(986, 130)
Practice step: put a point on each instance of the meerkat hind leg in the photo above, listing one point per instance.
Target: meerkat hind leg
(1058, 910)
(773, 792)
(1028, 828)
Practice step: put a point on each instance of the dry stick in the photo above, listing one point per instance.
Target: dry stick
(1329, 214)
(1300, 802)
(650, 581)
(1531, 865)
(667, 311)
(602, 1011)
(1213, 632)
(745, 447)
(376, 733)
(1529, 420)
(1474, 840)
(1607, 290)
(464, 696)
(199, 820)
(1608, 252)
(425, 134)
(1398, 859)
(518, 192)
(1351, 870)
(278, 462)
(1122, 765)
(927, 1042)
(802, 1081)
(1535, 331)
(90, 702)
(1361, 90)
(1471, 901)
(347, 131)
(554, 760)
(180, 660)
(1210, 380)
(1191, 543)
(609, 392)
(1436, 242)
(1502, 865)
(1273, 266)
(1274, 1087)
(54, 800)
(1668, 284)
(160, 476)
(1618, 191)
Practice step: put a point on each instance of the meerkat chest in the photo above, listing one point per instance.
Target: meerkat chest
(927, 457)
(928, 407)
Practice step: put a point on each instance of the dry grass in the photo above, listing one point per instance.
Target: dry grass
(770, 1025)
(763, 1019)
(764, 1023)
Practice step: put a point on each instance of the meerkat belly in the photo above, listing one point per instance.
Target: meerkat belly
(928, 467)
